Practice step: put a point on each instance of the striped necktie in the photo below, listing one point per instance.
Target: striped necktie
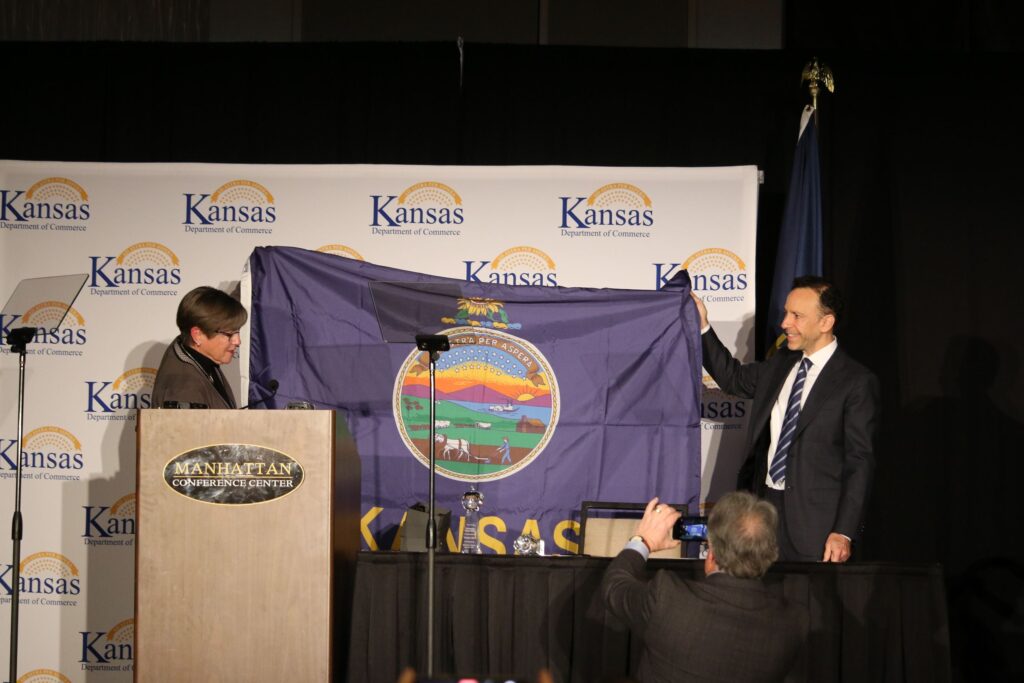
(778, 468)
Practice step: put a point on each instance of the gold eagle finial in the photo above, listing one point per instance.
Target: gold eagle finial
(817, 74)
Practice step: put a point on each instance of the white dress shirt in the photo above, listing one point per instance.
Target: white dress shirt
(818, 360)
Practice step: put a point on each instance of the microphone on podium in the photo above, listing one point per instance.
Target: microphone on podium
(272, 385)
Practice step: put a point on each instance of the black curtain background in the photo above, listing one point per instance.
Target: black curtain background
(921, 167)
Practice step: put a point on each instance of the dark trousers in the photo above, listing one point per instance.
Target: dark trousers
(787, 553)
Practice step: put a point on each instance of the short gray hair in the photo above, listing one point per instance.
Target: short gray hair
(211, 310)
(741, 531)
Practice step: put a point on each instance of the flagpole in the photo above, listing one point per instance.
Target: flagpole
(800, 246)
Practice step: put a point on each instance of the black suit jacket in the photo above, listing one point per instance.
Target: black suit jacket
(717, 629)
(832, 459)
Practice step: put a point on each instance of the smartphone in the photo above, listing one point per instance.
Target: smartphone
(688, 529)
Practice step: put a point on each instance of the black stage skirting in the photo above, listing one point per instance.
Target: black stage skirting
(514, 615)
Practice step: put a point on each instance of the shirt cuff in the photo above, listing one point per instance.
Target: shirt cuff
(704, 329)
(640, 547)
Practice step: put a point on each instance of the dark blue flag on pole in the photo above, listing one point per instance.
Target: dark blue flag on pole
(549, 396)
(800, 236)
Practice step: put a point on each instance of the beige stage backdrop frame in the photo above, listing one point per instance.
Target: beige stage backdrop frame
(147, 233)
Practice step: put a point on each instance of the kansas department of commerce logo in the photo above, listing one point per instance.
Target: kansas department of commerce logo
(496, 409)
(110, 650)
(56, 204)
(717, 273)
(53, 452)
(612, 210)
(144, 268)
(238, 206)
(44, 316)
(51, 577)
(429, 209)
(119, 399)
(516, 266)
(110, 524)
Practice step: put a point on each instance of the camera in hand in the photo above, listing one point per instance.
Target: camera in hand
(688, 529)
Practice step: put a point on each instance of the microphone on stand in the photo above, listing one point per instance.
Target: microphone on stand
(272, 385)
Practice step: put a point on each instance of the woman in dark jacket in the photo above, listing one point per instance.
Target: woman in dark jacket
(209, 321)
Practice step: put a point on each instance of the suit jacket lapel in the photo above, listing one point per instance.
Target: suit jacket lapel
(776, 379)
(826, 383)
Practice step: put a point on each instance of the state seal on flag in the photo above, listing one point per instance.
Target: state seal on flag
(496, 405)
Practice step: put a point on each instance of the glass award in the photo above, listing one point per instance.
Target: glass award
(472, 501)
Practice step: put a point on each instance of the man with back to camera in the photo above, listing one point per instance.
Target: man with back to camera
(728, 626)
(813, 423)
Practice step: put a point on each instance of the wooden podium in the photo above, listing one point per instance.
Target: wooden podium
(247, 534)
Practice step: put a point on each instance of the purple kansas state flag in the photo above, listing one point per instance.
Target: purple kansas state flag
(549, 396)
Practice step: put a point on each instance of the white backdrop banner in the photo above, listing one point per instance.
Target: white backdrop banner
(147, 233)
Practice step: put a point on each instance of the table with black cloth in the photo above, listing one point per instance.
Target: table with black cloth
(499, 614)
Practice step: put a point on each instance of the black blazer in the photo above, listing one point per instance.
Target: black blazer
(832, 459)
(717, 629)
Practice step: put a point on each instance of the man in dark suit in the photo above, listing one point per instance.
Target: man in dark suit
(811, 434)
(728, 626)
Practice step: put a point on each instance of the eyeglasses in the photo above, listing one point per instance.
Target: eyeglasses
(230, 333)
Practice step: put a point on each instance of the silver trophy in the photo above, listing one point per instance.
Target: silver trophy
(472, 501)
(528, 545)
